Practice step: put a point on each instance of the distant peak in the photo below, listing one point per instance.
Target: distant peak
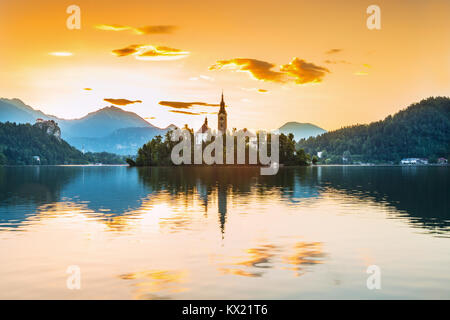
(294, 123)
(114, 108)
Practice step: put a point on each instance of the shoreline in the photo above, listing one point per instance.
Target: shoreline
(229, 166)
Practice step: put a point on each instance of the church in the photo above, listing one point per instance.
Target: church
(221, 123)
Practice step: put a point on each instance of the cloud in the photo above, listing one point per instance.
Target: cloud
(298, 70)
(113, 27)
(121, 102)
(259, 70)
(155, 29)
(151, 52)
(304, 72)
(256, 90)
(149, 118)
(337, 61)
(365, 72)
(61, 54)
(333, 51)
(87, 89)
(201, 77)
(158, 29)
(186, 112)
(129, 50)
(186, 105)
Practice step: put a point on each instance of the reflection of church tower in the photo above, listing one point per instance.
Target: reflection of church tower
(222, 197)
(222, 117)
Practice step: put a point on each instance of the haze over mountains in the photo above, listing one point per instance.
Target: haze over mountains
(301, 130)
(112, 129)
(109, 129)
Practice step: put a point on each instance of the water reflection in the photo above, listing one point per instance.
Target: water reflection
(304, 255)
(419, 193)
(117, 195)
(157, 284)
(164, 233)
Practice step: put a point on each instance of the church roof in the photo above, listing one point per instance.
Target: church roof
(222, 106)
(204, 128)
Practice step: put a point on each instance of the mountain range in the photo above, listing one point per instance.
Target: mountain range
(301, 130)
(112, 129)
(421, 130)
(109, 129)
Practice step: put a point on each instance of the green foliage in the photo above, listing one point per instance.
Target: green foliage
(157, 152)
(3, 159)
(20, 143)
(104, 158)
(130, 162)
(422, 130)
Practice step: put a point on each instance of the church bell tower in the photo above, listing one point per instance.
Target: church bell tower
(222, 117)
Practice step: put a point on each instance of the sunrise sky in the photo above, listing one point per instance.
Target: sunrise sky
(305, 61)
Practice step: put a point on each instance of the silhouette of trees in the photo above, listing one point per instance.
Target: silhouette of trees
(157, 152)
(21, 143)
(422, 130)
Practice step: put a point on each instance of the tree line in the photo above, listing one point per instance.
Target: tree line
(157, 152)
(420, 131)
(26, 144)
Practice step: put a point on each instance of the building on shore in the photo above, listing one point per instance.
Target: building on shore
(49, 126)
(414, 161)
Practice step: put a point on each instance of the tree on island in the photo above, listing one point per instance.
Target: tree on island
(157, 152)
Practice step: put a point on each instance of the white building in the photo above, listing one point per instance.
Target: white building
(414, 161)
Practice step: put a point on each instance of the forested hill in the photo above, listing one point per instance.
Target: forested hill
(420, 131)
(21, 143)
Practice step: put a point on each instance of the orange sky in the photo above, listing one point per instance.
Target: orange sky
(282, 44)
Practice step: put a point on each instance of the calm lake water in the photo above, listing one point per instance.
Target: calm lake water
(217, 233)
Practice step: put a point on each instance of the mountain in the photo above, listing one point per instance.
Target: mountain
(301, 130)
(25, 144)
(420, 131)
(102, 123)
(109, 129)
(22, 143)
(125, 141)
(14, 110)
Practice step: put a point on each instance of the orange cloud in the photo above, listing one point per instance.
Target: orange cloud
(121, 102)
(129, 50)
(87, 89)
(259, 70)
(151, 52)
(363, 73)
(298, 70)
(186, 105)
(155, 29)
(161, 29)
(256, 90)
(336, 61)
(332, 51)
(112, 27)
(304, 72)
(186, 112)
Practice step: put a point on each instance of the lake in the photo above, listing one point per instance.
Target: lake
(224, 233)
